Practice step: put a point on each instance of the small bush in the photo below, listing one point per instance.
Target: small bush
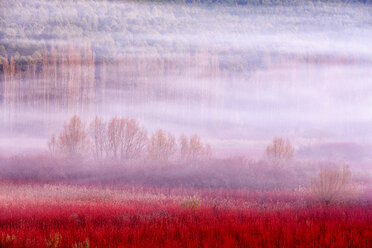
(53, 241)
(191, 203)
(84, 244)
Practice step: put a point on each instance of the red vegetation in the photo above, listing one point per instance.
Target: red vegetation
(157, 223)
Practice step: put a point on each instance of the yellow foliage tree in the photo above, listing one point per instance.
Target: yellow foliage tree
(161, 146)
(280, 150)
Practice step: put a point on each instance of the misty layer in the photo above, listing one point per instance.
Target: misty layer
(119, 152)
(231, 74)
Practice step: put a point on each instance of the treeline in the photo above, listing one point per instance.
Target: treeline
(112, 27)
(123, 139)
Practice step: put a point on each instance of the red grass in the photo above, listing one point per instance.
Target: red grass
(150, 224)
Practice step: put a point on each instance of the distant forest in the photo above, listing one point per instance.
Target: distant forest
(29, 27)
(58, 55)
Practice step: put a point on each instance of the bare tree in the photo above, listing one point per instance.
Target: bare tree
(98, 136)
(133, 141)
(73, 140)
(280, 150)
(333, 185)
(161, 147)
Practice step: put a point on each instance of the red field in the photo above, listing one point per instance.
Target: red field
(78, 216)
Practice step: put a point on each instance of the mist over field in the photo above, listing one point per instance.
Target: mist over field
(237, 75)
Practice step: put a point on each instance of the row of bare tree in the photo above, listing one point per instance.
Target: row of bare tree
(123, 139)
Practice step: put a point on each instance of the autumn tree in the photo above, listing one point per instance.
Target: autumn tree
(193, 149)
(280, 150)
(73, 140)
(333, 186)
(162, 146)
(197, 149)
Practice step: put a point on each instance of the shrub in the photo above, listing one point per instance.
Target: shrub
(333, 186)
(53, 241)
(191, 203)
(84, 244)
